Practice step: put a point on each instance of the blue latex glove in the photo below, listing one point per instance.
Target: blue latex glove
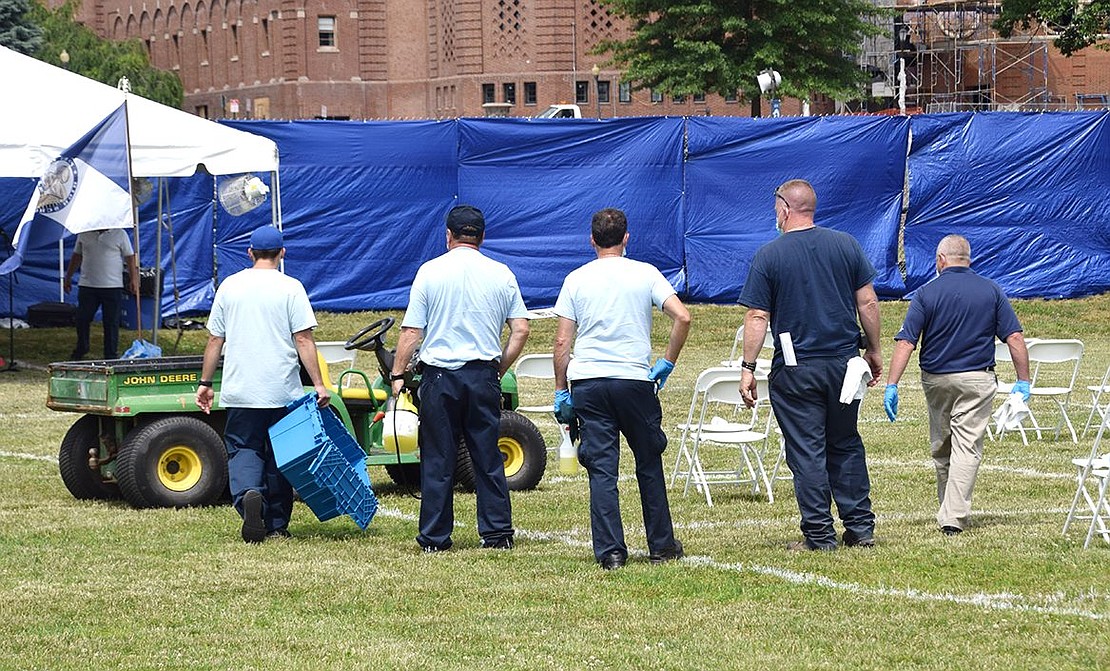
(564, 408)
(890, 401)
(660, 372)
(1021, 387)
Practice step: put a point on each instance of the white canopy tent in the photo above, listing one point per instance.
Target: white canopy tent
(49, 108)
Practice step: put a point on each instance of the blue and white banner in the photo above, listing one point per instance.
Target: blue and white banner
(85, 189)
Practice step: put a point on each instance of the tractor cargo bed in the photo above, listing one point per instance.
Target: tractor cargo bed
(124, 387)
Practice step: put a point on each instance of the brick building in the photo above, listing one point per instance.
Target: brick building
(382, 59)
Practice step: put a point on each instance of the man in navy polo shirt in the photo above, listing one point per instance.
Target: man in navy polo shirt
(814, 285)
(958, 314)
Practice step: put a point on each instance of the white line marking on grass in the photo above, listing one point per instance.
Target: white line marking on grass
(792, 519)
(927, 463)
(1001, 601)
(35, 457)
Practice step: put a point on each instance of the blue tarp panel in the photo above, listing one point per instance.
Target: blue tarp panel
(539, 183)
(1027, 190)
(37, 279)
(188, 215)
(362, 204)
(856, 164)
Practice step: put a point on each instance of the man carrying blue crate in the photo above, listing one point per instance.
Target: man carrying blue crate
(458, 305)
(265, 320)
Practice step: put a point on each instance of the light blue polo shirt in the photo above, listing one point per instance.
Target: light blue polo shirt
(461, 301)
(256, 311)
(611, 301)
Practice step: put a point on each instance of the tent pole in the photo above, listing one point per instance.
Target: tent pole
(61, 270)
(275, 207)
(157, 266)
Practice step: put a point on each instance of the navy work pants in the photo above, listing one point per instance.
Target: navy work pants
(463, 403)
(251, 463)
(607, 408)
(823, 449)
(88, 300)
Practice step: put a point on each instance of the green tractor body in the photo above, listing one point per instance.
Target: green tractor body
(141, 435)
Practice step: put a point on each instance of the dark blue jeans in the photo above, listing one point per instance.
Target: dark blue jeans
(251, 464)
(463, 403)
(88, 300)
(607, 408)
(823, 449)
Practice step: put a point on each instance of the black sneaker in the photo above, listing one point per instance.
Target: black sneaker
(279, 534)
(951, 531)
(673, 553)
(254, 529)
(429, 549)
(503, 543)
(612, 561)
(852, 540)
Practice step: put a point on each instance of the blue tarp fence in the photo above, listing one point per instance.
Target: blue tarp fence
(364, 202)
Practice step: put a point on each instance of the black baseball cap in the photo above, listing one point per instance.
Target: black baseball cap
(466, 220)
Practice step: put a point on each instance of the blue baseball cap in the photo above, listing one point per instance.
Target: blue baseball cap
(266, 238)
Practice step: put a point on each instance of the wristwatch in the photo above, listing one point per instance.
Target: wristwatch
(204, 383)
(393, 377)
(748, 365)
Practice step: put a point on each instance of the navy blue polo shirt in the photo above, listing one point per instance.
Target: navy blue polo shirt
(808, 280)
(958, 315)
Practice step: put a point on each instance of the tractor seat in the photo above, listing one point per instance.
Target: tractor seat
(352, 393)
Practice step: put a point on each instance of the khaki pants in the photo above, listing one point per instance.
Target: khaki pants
(959, 409)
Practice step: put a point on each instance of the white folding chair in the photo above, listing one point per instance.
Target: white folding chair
(704, 379)
(1088, 469)
(1098, 406)
(338, 358)
(1055, 368)
(752, 444)
(540, 367)
(736, 355)
(1101, 511)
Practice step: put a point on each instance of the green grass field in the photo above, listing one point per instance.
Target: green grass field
(102, 586)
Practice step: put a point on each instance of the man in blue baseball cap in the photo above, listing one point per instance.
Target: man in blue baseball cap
(264, 318)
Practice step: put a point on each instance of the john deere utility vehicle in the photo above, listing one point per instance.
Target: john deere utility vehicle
(141, 436)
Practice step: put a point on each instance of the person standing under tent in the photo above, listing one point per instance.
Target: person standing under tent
(812, 284)
(605, 309)
(458, 306)
(100, 255)
(957, 317)
(266, 321)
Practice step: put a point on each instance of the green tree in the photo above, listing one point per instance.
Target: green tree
(103, 60)
(1077, 24)
(720, 46)
(17, 32)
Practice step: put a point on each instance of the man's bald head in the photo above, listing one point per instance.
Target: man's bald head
(955, 249)
(799, 196)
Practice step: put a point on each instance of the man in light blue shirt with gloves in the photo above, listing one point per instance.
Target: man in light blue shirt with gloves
(605, 309)
(957, 315)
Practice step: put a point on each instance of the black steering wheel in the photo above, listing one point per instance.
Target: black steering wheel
(372, 337)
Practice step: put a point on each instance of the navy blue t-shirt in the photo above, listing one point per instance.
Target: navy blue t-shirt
(808, 280)
(958, 315)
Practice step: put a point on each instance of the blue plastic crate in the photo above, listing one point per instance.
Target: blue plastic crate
(320, 458)
(348, 483)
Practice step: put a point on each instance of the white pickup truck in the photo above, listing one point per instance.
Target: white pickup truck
(561, 112)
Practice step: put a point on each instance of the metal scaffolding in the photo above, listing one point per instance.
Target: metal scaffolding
(955, 61)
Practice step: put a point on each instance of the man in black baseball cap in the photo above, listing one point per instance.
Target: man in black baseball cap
(458, 307)
(466, 221)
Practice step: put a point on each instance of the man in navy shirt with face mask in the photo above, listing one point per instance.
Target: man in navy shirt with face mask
(814, 285)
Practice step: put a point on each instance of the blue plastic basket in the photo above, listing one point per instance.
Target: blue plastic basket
(320, 458)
